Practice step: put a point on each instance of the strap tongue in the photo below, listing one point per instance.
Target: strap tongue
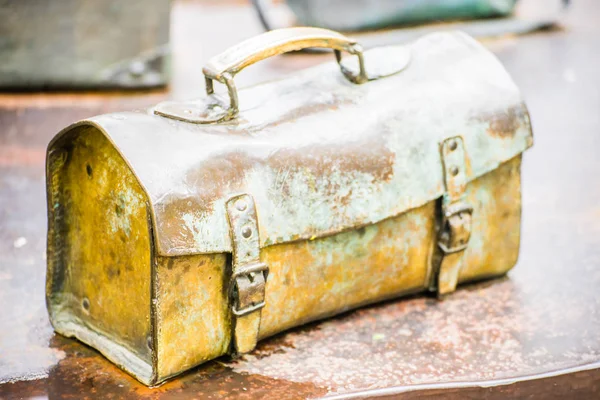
(249, 275)
(455, 230)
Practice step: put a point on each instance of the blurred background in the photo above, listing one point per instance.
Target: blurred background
(137, 44)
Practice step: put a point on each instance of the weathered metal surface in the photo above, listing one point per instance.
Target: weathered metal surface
(316, 279)
(84, 44)
(533, 334)
(99, 244)
(396, 167)
(246, 290)
(378, 151)
(341, 271)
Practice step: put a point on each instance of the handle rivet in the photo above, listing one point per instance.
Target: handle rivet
(453, 145)
(454, 170)
(241, 205)
(137, 68)
(246, 232)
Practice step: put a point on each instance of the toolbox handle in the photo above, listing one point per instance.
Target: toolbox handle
(224, 66)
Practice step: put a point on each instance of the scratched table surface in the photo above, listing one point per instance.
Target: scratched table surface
(534, 333)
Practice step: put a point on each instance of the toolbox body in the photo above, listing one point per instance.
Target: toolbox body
(191, 230)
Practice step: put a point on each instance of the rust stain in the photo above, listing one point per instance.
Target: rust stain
(365, 156)
(504, 123)
(215, 179)
(219, 175)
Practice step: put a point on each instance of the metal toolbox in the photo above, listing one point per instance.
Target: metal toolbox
(193, 229)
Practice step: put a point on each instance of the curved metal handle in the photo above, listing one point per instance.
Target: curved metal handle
(223, 67)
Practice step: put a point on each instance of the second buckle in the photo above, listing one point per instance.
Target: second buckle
(247, 289)
(456, 228)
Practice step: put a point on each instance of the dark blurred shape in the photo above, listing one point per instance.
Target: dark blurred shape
(352, 15)
(76, 44)
(399, 21)
(355, 15)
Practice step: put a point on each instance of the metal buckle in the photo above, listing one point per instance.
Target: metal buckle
(247, 289)
(456, 228)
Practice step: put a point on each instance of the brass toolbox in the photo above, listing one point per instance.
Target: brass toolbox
(193, 229)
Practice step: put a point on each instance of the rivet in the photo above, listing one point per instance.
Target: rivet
(85, 303)
(454, 170)
(186, 111)
(246, 232)
(137, 68)
(453, 145)
(149, 342)
(241, 205)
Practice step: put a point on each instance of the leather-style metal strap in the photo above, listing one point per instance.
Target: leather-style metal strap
(455, 230)
(248, 274)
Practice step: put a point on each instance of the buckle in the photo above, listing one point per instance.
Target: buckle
(456, 228)
(247, 289)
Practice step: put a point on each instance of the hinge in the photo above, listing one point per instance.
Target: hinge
(248, 274)
(455, 230)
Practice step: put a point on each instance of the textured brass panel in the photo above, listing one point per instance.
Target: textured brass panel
(494, 245)
(99, 248)
(313, 279)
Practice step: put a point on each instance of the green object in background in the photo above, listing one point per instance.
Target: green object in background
(83, 44)
(351, 15)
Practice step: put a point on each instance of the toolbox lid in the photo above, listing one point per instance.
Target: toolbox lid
(319, 154)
